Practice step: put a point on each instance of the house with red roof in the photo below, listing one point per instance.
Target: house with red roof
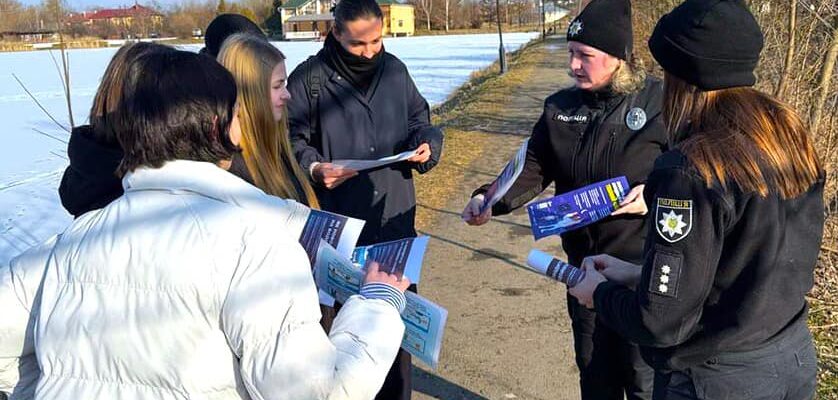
(136, 17)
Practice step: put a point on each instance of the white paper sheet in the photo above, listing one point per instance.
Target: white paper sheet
(360, 165)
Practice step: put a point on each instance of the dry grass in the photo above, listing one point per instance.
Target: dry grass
(483, 93)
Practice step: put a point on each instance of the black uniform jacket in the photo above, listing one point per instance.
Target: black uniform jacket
(724, 271)
(581, 138)
(391, 118)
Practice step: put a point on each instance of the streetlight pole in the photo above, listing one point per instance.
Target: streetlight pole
(543, 28)
(501, 50)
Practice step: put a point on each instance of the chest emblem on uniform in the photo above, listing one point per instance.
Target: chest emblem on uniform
(571, 119)
(636, 119)
(674, 219)
(575, 28)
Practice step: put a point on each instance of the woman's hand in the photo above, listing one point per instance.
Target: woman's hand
(374, 275)
(584, 291)
(423, 154)
(633, 204)
(614, 269)
(471, 214)
(331, 176)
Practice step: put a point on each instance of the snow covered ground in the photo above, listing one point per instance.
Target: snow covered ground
(34, 155)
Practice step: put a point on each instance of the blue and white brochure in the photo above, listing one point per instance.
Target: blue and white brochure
(577, 208)
(399, 257)
(424, 320)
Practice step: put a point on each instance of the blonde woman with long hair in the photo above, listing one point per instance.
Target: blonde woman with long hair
(268, 160)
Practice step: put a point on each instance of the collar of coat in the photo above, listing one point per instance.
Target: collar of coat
(209, 180)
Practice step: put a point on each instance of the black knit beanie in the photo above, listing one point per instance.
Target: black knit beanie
(712, 44)
(606, 25)
(224, 26)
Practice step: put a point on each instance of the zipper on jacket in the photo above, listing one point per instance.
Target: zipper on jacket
(590, 173)
(609, 154)
(576, 149)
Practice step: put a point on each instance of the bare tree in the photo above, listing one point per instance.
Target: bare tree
(426, 7)
(781, 87)
(824, 81)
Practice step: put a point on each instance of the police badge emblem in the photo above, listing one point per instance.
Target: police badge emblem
(636, 119)
(575, 28)
(674, 219)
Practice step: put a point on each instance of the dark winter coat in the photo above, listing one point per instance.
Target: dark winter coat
(581, 138)
(724, 271)
(391, 118)
(90, 182)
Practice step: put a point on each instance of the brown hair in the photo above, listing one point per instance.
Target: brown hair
(265, 143)
(741, 136)
(109, 93)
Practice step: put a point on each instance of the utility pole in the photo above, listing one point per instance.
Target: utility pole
(501, 50)
(543, 28)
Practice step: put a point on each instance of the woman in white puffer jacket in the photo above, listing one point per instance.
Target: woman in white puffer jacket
(189, 286)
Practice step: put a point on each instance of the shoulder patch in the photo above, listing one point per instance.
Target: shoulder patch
(673, 218)
(666, 270)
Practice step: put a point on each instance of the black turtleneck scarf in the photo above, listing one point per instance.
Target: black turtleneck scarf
(358, 70)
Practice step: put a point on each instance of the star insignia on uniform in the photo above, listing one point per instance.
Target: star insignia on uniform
(575, 28)
(673, 224)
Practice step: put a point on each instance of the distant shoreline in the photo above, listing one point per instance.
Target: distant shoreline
(93, 43)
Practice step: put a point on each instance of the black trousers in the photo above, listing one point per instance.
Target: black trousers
(784, 370)
(610, 367)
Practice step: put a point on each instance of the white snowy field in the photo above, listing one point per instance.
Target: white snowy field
(34, 157)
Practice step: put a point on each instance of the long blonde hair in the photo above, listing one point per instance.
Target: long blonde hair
(742, 136)
(266, 146)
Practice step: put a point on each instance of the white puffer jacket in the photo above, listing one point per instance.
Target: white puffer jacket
(190, 286)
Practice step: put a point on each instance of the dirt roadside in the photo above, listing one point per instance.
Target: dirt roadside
(508, 334)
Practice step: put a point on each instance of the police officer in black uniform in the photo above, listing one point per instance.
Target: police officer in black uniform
(718, 306)
(606, 126)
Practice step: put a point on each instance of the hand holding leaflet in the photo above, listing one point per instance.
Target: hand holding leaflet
(577, 208)
(506, 178)
(559, 270)
(360, 165)
(400, 257)
(424, 320)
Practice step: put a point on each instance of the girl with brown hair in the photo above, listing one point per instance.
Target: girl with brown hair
(719, 307)
(90, 181)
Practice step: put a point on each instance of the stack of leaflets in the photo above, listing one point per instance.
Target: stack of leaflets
(424, 321)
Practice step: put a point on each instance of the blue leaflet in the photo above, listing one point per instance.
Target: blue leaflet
(577, 208)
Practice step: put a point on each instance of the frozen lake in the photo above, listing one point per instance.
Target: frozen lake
(32, 163)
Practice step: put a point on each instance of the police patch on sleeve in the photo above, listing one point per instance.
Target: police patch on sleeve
(636, 119)
(673, 219)
(666, 270)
